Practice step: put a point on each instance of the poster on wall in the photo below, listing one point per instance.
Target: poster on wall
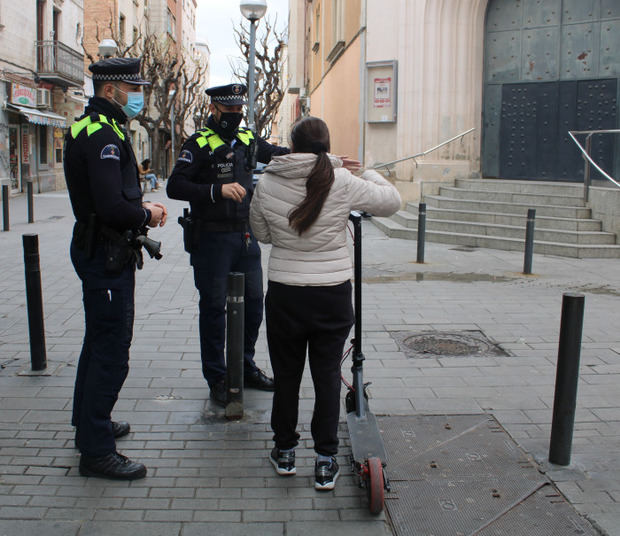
(25, 144)
(382, 93)
(382, 84)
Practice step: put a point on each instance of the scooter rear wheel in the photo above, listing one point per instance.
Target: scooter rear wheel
(375, 485)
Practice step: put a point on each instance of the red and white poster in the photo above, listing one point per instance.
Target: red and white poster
(382, 94)
(25, 144)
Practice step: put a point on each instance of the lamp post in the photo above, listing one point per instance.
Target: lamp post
(252, 10)
(171, 95)
(107, 48)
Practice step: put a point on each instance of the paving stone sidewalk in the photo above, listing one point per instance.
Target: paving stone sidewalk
(210, 476)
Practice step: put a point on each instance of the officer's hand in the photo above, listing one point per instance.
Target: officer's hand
(165, 216)
(158, 214)
(350, 164)
(233, 191)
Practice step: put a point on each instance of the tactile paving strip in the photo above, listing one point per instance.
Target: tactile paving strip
(461, 475)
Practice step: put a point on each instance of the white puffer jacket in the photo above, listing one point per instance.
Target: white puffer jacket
(320, 255)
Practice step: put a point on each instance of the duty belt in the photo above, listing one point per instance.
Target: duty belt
(223, 226)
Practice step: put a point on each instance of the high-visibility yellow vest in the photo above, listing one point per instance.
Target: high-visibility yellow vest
(93, 125)
(209, 137)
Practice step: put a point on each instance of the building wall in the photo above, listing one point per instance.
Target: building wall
(17, 36)
(97, 25)
(334, 80)
(337, 99)
(439, 47)
(39, 146)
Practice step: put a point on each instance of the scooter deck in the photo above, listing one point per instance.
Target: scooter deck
(366, 442)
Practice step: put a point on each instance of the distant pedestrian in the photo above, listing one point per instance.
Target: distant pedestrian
(147, 174)
(301, 206)
(102, 177)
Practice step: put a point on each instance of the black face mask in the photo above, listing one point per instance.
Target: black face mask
(229, 121)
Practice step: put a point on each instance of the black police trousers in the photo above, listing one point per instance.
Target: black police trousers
(104, 360)
(318, 319)
(218, 254)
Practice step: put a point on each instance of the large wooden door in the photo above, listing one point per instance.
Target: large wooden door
(534, 124)
(550, 66)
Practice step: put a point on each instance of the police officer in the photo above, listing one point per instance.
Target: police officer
(102, 178)
(214, 173)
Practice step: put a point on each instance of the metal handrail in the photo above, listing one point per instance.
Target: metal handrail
(423, 153)
(586, 154)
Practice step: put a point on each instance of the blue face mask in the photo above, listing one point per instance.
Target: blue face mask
(135, 103)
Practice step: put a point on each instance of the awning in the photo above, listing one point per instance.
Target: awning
(39, 117)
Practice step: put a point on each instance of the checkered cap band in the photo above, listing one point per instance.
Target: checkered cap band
(227, 97)
(134, 76)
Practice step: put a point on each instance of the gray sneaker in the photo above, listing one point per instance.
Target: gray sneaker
(284, 462)
(326, 474)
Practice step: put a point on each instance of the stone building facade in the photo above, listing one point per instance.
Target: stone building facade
(41, 76)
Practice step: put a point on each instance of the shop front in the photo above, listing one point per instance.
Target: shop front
(34, 140)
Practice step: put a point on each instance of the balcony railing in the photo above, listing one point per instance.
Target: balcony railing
(59, 64)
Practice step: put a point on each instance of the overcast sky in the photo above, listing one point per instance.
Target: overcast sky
(214, 25)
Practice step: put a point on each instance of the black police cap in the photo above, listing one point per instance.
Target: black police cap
(229, 95)
(118, 70)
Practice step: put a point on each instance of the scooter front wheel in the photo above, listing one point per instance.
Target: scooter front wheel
(375, 485)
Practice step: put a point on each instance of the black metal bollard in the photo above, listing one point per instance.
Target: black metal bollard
(529, 241)
(421, 231)
(567, 375)
(235, 326)
(30, 202)
(34, 301)
(5, 207)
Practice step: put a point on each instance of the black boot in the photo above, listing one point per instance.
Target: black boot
(114, 466)
(217, 393)
(257, 379)
(119, 429)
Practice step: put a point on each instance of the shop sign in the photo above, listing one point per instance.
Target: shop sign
(23, 95)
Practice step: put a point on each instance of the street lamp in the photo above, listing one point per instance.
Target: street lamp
(171, 95)
(252, 10)
(107, 48)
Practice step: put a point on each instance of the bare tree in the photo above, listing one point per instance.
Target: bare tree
(270, 88)
(166, 69)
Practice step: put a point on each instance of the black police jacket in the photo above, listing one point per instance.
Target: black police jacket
(101, 169)
(206, 163)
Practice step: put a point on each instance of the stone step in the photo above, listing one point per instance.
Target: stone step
(570, 189)
(499, 218)
(409, 220)
(395, 230)
(507, 208)
(532, 200)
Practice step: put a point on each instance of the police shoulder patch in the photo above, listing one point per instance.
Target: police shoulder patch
(111, 151)
(186, 156)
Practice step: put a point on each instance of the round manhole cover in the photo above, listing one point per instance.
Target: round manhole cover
(442, 344)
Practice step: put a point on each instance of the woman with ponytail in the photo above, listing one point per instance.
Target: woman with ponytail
(301, 206)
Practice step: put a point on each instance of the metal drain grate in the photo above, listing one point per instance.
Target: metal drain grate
(470, 343)
(462, 474)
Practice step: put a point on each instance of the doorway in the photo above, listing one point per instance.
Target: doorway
(549, 67)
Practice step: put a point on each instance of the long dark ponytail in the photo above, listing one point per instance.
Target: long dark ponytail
(310, 135)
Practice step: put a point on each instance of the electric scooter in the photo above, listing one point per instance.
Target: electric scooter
(368, 458)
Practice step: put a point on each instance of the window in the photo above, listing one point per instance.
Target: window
(337, 35)
(171, 25)
(42, 144)
(317, 28)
